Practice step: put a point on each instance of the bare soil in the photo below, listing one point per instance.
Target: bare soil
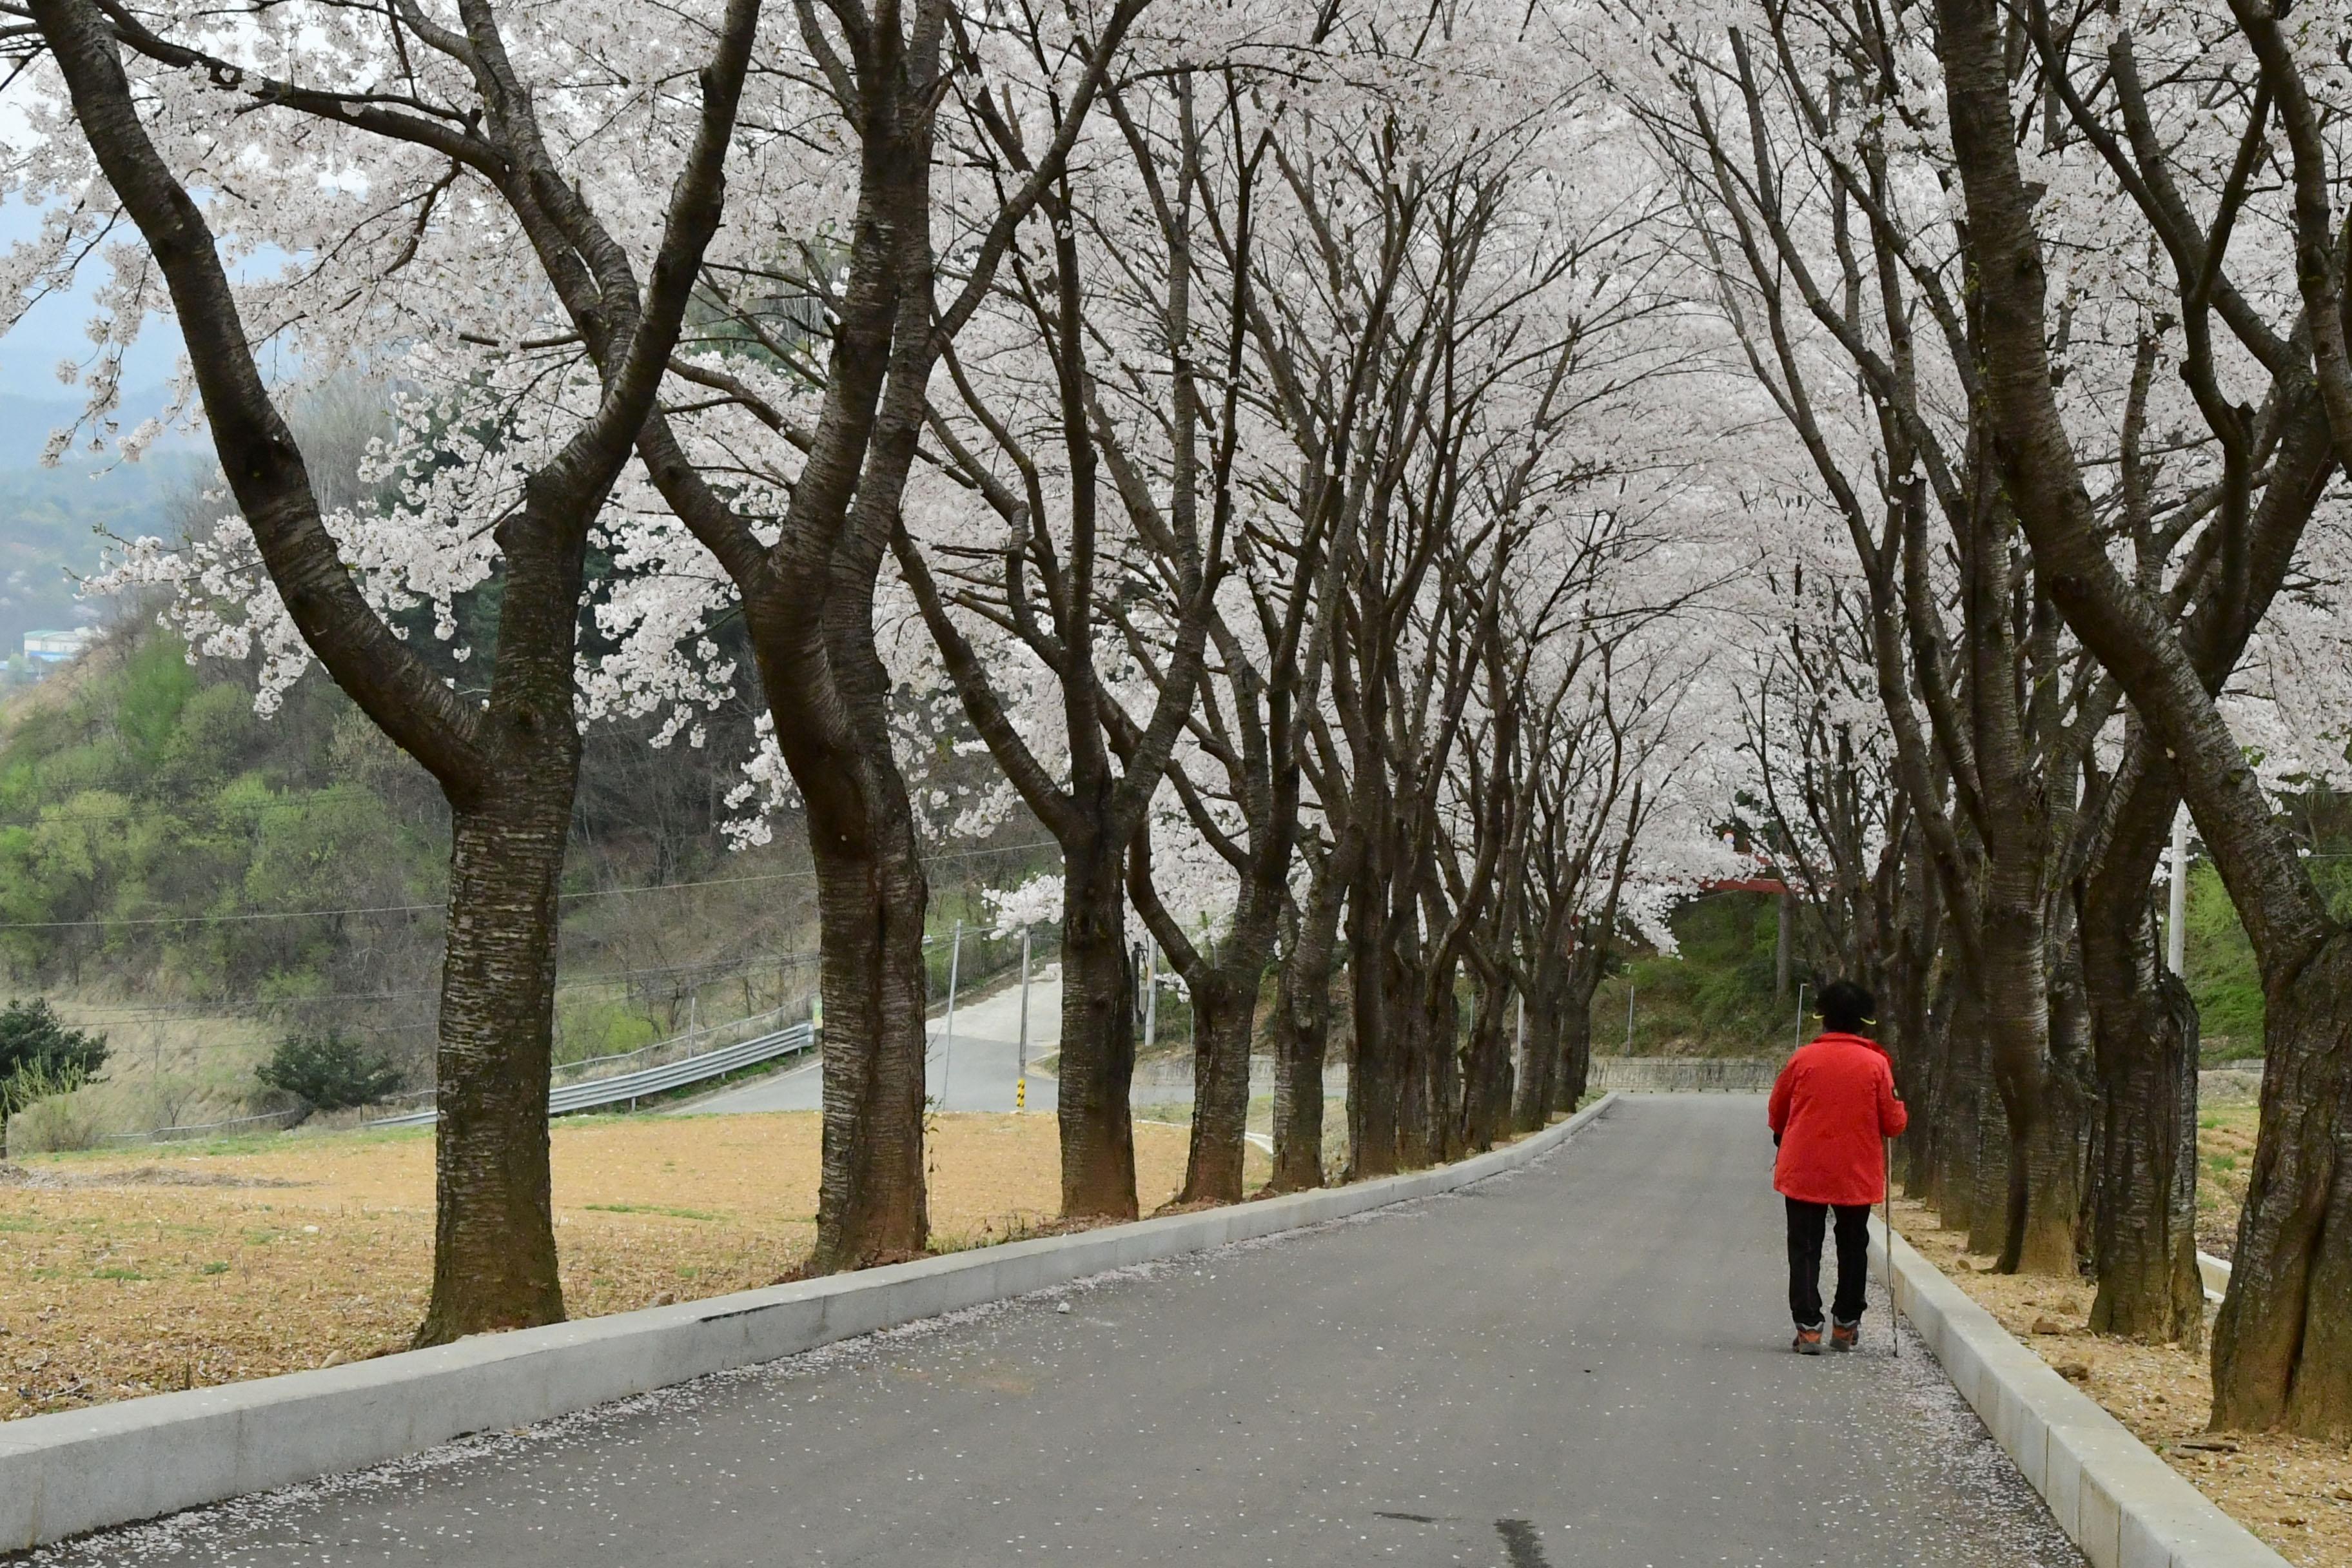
(2295, 1493)
(175, 1270)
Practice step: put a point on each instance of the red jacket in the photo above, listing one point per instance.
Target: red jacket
(1834, 1102)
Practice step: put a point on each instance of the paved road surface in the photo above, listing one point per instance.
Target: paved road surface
(1583, 1363)
(975, 1070)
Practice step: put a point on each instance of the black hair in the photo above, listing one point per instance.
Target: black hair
(1846, 1008)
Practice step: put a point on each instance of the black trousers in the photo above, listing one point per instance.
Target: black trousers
(1806, 1221)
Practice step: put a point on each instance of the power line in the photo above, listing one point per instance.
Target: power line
(710, 973)
(427, 909)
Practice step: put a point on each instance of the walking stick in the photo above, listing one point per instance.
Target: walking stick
(1886, 1194)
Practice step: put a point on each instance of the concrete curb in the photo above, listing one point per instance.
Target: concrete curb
(2214, 1275)
(2114, 1498)
(81, 1470)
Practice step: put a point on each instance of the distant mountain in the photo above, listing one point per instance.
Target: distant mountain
(53, 520)
(26, 424)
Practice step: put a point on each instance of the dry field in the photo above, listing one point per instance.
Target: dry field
(122, 1275)
(2225, 1157)
(2295, 1493)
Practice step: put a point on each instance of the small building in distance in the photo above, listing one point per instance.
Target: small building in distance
(57, 646)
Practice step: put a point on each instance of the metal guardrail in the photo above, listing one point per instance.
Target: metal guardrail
(645, 1055)
(270, 1120)
(632, 1086)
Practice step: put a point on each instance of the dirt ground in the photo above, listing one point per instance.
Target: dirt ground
(122, 1275)
(2295, 1493)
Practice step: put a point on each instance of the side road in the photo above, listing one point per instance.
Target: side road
(974, 1071)
(1581, 1362)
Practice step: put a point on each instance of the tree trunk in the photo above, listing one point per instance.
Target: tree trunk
(2283, 1344)
(1303, 1027)
(1098, 1044)
(493, 1263)
(1922, 1077)
(828, 694)
(1486, 1071)
(1912, 1030)
(1960, 1112)
(2054, 1171)
(1223, 1013)
(2144, 1029)
(1302, 1034)
(1410, 1020)
(1372, 1089)
(1958, 1086)
(871, 894)
(1416, 1141)
(1448, 1091)
(2038, 1227)
(2143, 1047)
(1989, 1149)
(1576, 1035)
(1535, 1087)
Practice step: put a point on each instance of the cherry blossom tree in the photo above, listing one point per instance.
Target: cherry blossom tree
(437, 119)
(819, 376)
(2282, 1348)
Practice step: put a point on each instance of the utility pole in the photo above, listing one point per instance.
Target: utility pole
(1803, 987)
(2175, 921)
(1629, 1012)
(1021, 1060)
(947, 1031)
(1150, 994)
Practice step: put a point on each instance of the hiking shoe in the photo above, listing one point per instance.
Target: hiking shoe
(1808, 1341)
(1846, 1336)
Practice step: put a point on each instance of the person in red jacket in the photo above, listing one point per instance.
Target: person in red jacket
(1831, 1107)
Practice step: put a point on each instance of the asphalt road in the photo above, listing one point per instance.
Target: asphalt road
(974, 1070)
(1581, 1363)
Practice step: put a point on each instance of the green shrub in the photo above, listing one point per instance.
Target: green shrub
(53, 1118)
(600, 1027)
(328, 1071)
(40, 1056)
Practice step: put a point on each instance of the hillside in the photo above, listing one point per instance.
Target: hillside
(1715, 995)
(199, 882)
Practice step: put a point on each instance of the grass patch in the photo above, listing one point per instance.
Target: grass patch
(651, 1209)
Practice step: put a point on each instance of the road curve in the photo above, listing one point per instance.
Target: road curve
(1581, 1363)
(974, 1070)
